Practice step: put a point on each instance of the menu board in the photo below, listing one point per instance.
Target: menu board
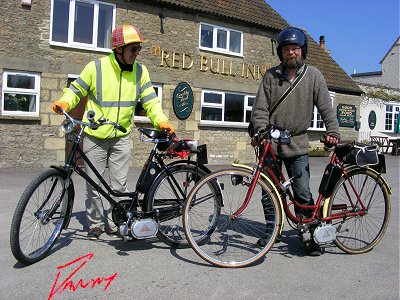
(346, 115)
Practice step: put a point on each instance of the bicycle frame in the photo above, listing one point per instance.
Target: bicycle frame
(275, 175)
(107, 192)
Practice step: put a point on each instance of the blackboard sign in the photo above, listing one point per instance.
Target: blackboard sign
(372, 119)
(183, 100)
(346, 115)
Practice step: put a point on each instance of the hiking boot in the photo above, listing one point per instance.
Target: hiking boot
(262, 242)
(313, 249)
(94, 233)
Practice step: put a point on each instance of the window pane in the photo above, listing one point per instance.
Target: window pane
(104, 26)
(60, 21)
(320, 123)
(248, 116)
(213, 98)
(20, 82)
(250, 101)
(389, 117)
(206, 36)
(235, 42)
(234, 108)
(139, 110)
(221, 38)
(211, 114)
(83, 23)
(19, 102)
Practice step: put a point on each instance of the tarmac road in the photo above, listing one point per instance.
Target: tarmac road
(151, 270)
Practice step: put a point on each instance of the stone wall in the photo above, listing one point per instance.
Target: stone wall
(25, 47)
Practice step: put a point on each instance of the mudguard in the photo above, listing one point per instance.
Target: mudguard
(172, 164)
(349, 169)
(269, 181)
(71, 196)
(181, 162)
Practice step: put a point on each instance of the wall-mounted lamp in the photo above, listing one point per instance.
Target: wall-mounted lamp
(162, 20)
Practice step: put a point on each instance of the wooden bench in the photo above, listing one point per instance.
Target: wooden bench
(382, 142)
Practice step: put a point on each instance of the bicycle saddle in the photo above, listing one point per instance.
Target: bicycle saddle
(152, 133)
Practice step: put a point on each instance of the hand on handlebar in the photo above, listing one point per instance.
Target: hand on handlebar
(61, 104)
(330, 140)
(167, 126)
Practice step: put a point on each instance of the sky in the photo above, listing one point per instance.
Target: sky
(358, 33)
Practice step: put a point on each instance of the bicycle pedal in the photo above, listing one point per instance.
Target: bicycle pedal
(126, 239)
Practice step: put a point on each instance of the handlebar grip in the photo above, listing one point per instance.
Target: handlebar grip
(59, 109)
(121, 128)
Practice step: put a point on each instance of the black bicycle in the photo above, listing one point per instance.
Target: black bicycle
(153, 209)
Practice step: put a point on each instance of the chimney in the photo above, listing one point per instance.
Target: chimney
(322, 42)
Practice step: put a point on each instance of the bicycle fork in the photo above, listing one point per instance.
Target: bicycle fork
(45, 216)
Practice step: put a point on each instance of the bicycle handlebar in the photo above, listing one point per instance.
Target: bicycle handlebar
(90, 115)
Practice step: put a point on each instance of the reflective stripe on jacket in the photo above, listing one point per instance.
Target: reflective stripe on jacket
(113, 94)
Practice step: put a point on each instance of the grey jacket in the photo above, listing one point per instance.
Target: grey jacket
(295, 112)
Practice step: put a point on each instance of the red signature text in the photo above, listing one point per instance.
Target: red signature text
(59, 285)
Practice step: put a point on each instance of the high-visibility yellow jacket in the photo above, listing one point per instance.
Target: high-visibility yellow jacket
(113, 94)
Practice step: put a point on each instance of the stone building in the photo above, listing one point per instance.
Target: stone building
(220, 49)
(380, 104)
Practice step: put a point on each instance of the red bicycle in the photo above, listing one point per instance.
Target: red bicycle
(228, 211)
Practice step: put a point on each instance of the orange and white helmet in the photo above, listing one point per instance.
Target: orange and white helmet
(126, 34)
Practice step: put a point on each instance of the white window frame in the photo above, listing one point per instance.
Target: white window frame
(394, 113)
(145, 119)
(70, 43)
(31, 92)
(217, 49)
(223, 123)
(316, 118)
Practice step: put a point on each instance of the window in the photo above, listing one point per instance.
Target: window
(225, 107)
(20, 94)
(316, 119)
(140, 113)
(391, 115)
(220, 39)
(82, 24)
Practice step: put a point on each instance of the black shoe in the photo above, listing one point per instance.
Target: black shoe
(262, 242)
(94, 233)
(313, 249)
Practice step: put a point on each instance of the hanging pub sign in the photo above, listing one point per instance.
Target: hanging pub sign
(372, 119)
(183, 100)
(346, 115)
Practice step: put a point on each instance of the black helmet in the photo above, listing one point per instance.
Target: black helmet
(292, 36)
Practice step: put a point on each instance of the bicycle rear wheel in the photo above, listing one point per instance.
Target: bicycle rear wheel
(165, 196)
(39, 217)
(360, 234)
(224, 240)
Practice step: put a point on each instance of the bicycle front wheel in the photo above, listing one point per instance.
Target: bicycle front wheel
(361, 233)
(225, 239)
(39, 217)
(167, 195)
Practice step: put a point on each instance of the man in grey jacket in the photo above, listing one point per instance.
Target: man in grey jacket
(295, 111)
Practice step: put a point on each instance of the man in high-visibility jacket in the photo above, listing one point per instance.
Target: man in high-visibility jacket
(113, 85)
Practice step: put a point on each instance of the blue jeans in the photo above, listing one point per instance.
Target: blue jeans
(301, 185)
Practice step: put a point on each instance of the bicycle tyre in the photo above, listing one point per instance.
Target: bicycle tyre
(356, 235)
(31, 238)
(162, 195)
(233, 242)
